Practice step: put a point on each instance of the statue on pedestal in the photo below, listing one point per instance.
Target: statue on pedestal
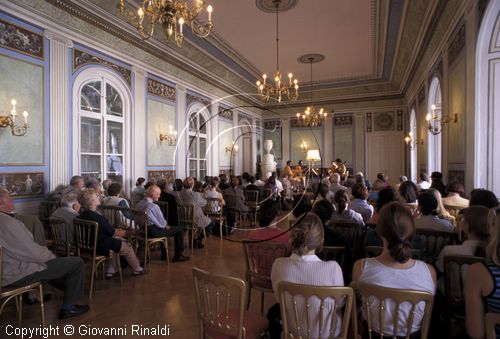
(268, 165)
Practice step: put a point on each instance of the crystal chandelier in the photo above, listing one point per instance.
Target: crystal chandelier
(17, 129)
(310, 117)
(280, 88)
(171, 15)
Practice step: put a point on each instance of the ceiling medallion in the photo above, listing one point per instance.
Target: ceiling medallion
(269, 6)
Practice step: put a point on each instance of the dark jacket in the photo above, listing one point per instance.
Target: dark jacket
(105, 240)
(172, 218)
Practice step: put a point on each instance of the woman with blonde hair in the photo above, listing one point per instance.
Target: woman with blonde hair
(442, 213)
(304, 267)
(482, 285)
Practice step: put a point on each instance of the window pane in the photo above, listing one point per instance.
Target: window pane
(114, 165)
(203, 173)
(91, 165)
(203, 147)
(203, 164)
(115, 138)
(203, 126)
(193, 123)
(90, 135)
(91, 97)
(114, 105)
(192, 147)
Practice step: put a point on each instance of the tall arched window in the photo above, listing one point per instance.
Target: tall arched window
(434, 141)
(413, 152)
(198, 136)
(487, 121)
(101, 106)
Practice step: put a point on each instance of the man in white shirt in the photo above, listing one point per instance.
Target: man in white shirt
(424, 183)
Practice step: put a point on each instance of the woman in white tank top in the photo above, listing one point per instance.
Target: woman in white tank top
(394, 268)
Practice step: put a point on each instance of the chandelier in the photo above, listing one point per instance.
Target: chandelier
(281, 87)
(310, 117)
(171, 15)
(12, 121)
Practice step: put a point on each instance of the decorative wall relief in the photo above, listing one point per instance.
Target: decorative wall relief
(342, 120)
(160, 116)
(82, 58)
(23, 81)
(456, 45)
(384, 121)
(298, 123)
(225, 113)
(161, 90)
(369, 122)
(399, 120)
(21, 40)
(192, 98)
(167, 175)
(272, 131)
(23, 184)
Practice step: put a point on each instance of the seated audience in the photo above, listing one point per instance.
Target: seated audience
(69, 210)
(359, 204)
(484, 198)
(324, 193)
(454, 198)
(402, 179)
(408, 193)
(211, 192)
(158, 226)
(114, 198)
(441, 211)
(424, 183)
(239, 197)
(301, 204)
(428, 207)
(75, 185)
(168, 196)
(335, 183)
(437, 183)
(394, 268)
(105, 185)
(139, 186)
(482, 287)
(385, 196)
(343, 212)
(108, 238)
(268, 226)
(304, 267)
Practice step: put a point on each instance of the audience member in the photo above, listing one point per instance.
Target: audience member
(69, 210)
(304, 267)
(437, 183)
(25, 262)
(424, 183)
(211, 192)
(428, 206)
(75, 186)
(441, 211)
(484, 198)
(114, 198)
(454, 198)
(171, 217)
(139, 186)
(268, 226)
(335, 183)
(395, 268)
(343, 212)
(158, 226)
(359, 204)
(385, 196)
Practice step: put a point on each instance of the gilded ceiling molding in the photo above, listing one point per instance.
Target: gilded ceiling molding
(81, 58)
(225, 113)
(456, 45)
(21, 40)
(192, 98)
(161, 90)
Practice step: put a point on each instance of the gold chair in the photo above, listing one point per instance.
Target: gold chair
(46, 209)
(381, 305)
(221, 307)
(266, 194)
(492, 321)
(431, 242)
(60, 234)
(186, 220)
(252, 201)
(140, 235)
(232, 205)
(375, 251)
(113, 214)
(316, 311)
(135, 198)
(259, 258)
(7, 294)
(86, 245)
(454, 274)
(213, 210)
(164, 208)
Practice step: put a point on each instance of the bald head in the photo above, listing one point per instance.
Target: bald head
(6, 202)
(153, 192)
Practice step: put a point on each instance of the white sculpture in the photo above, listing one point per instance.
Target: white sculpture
(268, 165)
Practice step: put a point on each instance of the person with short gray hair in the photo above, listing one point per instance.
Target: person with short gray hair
(75, 185)
(68, 212)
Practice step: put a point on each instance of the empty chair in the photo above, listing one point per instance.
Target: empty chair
(16, 293)
(394, 312)
(259, 258)
(316, 311)
(220, 302)
(86, 240)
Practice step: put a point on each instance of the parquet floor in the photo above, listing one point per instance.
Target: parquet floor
(163, 296)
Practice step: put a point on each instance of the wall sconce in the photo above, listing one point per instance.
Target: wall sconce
(171, 137)
(410, 141)
(233, 148)
(10, 121)
(435, 124)
(303, 147)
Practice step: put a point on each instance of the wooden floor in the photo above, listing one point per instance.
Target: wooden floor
(163, 296)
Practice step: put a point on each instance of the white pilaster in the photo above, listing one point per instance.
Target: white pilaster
(255, 134)
(285, 141)
(139, 125)
(213, 153)
(236, 136)
(59, 124)
(182, 136)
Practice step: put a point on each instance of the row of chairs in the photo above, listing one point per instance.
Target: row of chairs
(306, 311)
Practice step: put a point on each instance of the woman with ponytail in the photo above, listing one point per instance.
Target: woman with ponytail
(394, 268)
(482, 286)
(343, 212)
(304, 267)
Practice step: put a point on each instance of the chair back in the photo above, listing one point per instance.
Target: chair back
(61, 235)
(492, 321)
(266, 194)
(431, 242)
(164, 207)
(315, 312)
(139, 222)
(252, 199)
(220, 304)
(46, 209)
(186, 216)
(350, 230)
(231, 201)
(213, 207)
(398, 309)
(455, 268)
(336, 253)
(135, 198)
(113, 214)
(86, 236)
(259, 259)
